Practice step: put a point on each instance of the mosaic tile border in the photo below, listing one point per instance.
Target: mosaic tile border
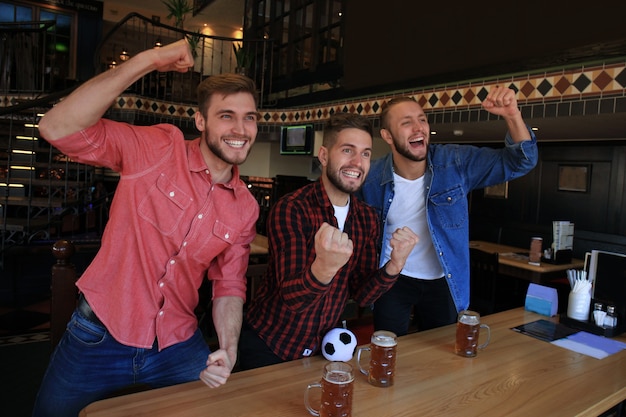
(25, 338)
(584, 90)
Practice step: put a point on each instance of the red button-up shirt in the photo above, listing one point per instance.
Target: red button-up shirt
(170, 226)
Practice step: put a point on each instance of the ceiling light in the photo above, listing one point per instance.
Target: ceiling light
(124, 55)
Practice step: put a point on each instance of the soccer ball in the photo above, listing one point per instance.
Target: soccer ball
(339, 345)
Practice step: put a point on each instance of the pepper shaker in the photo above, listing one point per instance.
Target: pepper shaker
(610, 321)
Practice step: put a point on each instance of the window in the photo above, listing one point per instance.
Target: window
(59, 38)
(307, 34)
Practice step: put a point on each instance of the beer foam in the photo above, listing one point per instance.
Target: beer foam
(384, 339)
(339, 377)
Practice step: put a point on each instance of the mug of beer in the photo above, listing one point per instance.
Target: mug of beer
(382, 363)
(467, 332)
(337, 386)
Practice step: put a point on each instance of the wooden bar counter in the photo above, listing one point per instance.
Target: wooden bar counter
(513, 264)
(516, 375)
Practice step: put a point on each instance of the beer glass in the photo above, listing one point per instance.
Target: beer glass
(337, 385)
(382, 363)
(467, 332)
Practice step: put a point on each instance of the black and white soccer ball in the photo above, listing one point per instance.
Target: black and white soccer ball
(339, 345)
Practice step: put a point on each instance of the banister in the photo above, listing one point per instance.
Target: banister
(63, 289)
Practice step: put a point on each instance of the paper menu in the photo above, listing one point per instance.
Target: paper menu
(590, 344)
(562, 234)
(566, 337)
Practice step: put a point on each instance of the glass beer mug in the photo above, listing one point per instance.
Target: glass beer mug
(467, 332)
(337, 385)
(382, 363)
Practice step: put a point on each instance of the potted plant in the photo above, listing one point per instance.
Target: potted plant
(243, 57)
(178, 9)
(194, 41)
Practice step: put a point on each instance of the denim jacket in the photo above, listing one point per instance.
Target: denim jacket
(453, 172)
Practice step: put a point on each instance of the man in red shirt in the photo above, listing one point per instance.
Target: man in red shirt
(180, 214)
(322, 250)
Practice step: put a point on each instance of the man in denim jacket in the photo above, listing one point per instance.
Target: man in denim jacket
(424, 186)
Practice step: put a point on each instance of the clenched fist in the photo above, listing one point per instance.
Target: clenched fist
(333, 249)
(402, 242)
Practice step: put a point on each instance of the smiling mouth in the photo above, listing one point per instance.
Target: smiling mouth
(416, 142)
(352, 174)
(235, 143)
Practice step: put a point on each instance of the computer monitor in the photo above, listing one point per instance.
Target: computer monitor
(297, 140)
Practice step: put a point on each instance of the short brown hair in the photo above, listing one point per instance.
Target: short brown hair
(341, 121)
(387, 105)
(226, 84)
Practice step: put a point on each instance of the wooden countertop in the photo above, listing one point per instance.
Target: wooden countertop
(516, 375)
(510, 255)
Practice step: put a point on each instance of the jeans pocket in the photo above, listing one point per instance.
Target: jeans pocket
(85, 331)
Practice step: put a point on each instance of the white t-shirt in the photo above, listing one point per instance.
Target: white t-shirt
(408, 208)
(341, 212)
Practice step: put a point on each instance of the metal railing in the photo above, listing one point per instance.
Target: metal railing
(214, 55)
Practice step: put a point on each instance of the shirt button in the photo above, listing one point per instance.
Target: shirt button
(199, 216)
(161, 313)
(161, 284)
(172, 261)
(184, 243)
(449, 199)
(226, 236)
(206, 171)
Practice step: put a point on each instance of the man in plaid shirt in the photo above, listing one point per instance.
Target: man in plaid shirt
(322, 249)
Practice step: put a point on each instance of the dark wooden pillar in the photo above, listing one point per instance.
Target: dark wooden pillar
(63, 288)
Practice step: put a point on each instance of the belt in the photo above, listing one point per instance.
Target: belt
(84, 309)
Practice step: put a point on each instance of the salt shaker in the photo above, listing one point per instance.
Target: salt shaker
(610, 321)
(598, 314)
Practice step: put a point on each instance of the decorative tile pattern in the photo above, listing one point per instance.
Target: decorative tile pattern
(24, 338)
(583, 90)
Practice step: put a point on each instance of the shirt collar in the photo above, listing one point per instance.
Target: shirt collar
(197, 164)
(322, 197)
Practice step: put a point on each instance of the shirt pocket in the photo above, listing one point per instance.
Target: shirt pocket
(221, 237)
(450, 207)
(164, 205)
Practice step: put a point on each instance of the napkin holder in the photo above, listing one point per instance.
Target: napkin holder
(563, 256)
(542, 300)
(606, 269)
(590, 327)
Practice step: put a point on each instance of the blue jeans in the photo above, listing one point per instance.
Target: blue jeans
(89, 365)
(430, 301)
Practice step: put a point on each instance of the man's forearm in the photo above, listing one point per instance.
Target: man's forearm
(86, 105)
(517, 129)
(227, 318)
